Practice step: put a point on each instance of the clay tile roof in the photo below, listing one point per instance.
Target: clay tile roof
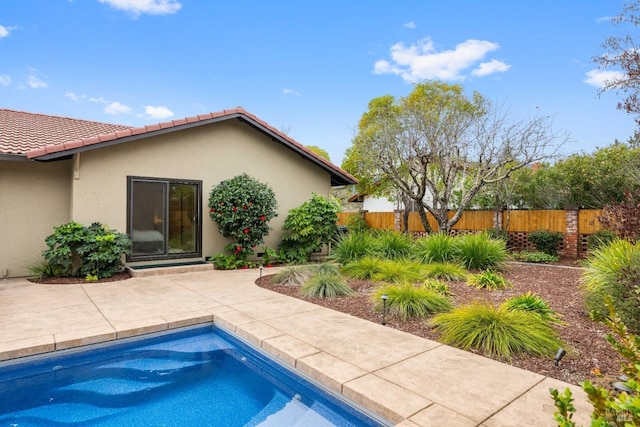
(43, 137)
(21, 132)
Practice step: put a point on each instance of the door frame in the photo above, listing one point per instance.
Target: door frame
(198, 210)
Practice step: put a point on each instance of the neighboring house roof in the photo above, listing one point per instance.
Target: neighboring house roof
(42, 137)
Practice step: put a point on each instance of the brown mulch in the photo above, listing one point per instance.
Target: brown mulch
(559, 285)
(124, 275)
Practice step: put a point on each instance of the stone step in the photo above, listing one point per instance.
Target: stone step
(162, 270)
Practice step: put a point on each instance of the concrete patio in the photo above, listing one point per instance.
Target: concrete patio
(408, 380)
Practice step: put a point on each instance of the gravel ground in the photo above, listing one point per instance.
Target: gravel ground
(559, 284)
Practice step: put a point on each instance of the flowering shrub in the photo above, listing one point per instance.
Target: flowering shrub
(242, 207)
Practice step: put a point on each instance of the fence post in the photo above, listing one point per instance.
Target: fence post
(571, 234)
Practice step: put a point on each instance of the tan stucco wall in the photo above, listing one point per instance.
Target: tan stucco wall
(34, 198)
(209, 153)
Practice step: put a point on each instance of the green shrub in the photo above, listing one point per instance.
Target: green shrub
(532, 303)
(363, 268)
(614, 270)
(351, 247)
(399, 271)
(293, 275)
(444, 271)
(600, 238)
(609, 408)
(42, 268)
(308, 227)
(537, 257)
(479, 251)
(226, 262)
(75, 250)
(325, 285)
(546, 241)
(408, 301)
(392, 245)
(242, 208)
(498, 233)
(357, 224)
(496, 331)
(434, 248)
(488, 280)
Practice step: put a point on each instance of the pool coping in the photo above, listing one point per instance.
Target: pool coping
(407, 380)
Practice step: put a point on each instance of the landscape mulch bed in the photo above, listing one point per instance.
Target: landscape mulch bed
(587, 349)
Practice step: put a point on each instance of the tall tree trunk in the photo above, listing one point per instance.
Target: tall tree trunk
(424, 220)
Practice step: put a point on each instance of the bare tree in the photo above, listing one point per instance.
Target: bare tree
(621, 52)
(440, 143)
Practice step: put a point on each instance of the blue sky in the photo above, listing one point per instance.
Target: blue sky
(306, 67)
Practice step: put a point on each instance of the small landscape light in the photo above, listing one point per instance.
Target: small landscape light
(260, 271)
(559, 355)
(384, 308)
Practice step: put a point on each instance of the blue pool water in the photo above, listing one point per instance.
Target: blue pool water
(193, 377)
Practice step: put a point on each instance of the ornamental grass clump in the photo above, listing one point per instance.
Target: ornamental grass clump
(399, 271)
(445, 271)
(409, 301)
(363, 268)
(532, 303)
(488, 280)
(479, 251)
(497, 331)
(351, 247)
(434, 248)
(392, 245)
(294, 275)
(325, 285)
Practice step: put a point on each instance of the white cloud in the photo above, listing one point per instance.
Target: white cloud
(4, 31)
(290, 92)
(161, 112)
(410, 25)
(72, 96)
(605, 19)
(422, 61)
(5, 80)
(491, 67)
(151, 7)
(599, 78)
(116, 108)
(35, 82)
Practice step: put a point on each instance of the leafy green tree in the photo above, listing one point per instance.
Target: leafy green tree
(319, 151)
(439, 148)
(308, 227)
(242, 207)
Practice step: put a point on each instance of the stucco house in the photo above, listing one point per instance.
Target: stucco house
(151, 182)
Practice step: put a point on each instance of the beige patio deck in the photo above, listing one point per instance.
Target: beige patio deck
(408, 380)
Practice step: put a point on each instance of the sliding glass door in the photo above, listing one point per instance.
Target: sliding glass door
(164, 218)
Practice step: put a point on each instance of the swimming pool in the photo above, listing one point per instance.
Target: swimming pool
(197, 376)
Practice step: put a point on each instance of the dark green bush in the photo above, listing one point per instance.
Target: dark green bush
(546, 241)
(600, 238)
(75, 250)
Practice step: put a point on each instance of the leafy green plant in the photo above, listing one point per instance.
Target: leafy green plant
(226, 262)
(445, 271)
(488, 279)
(308, 227)
(352, 246)
(293, 275)
(437, 286)
(609, 408)
(434, 248)
(497, 331)
(536, 257)
(533, 303)
(357, 224)
(600, 238)
(389, 244)
(242, 208)
(546, 241)
(75, 250)
(407, 300)
(42, 268)
(614, 270)
(399, 271)
(479, 251)
(325, 285)
(269, 256)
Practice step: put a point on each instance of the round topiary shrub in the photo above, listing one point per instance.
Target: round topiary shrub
(242, 207)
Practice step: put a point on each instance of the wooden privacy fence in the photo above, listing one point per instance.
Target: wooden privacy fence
(575, 225)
